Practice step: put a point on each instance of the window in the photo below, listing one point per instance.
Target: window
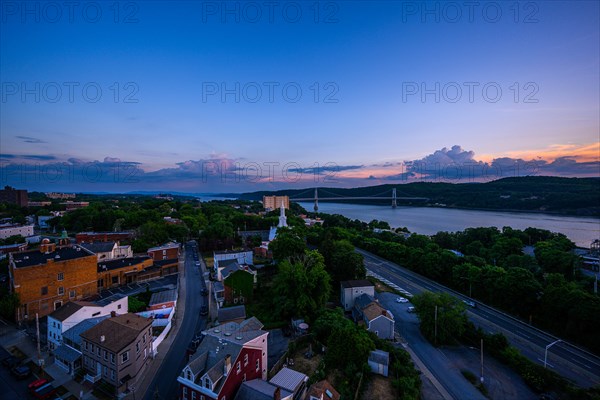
(207, 383)
(98, 351)
(61, 290)
(115, 280)
(112, 358)
(185, 392)
(57, 304)
(188, 375)
(86, 345)
(105, 370)
(245, 359)
(105, 355)
(238, 368)
(193, 395)
(257, 365)
(72, 294)
(118, 306)
(92, 348)
(112, 374)
(124, 357)
(44, 290)
(144, 338)
(145, 354)
(137, 347)
(164, 252)
(61, 276)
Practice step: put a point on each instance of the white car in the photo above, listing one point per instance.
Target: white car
(401, 300)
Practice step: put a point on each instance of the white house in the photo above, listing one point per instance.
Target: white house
(8, 230)
(106, 251)
(241, 256)
(75, 312)
(350, 290)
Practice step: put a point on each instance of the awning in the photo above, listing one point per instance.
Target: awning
(66, 353)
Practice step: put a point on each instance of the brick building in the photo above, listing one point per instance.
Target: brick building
(91, 237)
(271, 203)
(167, 251)
(122, 271)
(47, 278)
(14, 196)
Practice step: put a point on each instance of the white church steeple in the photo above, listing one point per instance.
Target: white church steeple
(282, 218)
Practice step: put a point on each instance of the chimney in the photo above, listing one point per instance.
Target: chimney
(227, 366)
(113, 314)
(102, 338)
(277, 394)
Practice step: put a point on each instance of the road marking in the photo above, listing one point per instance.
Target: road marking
(547, 363)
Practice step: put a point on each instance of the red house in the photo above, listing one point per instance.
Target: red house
(228, 355)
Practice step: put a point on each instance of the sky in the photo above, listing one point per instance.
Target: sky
(203, 96)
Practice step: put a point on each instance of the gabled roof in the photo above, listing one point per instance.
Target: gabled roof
(209, 359)
(99, 247)
(66, 310)
(323, 390)
(66, 353)
(363, 300)
(375, 310)
(257, 389)
(73, 333)
(357, 283)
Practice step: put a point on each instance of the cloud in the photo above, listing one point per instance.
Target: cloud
(29, 139)
(329, 167)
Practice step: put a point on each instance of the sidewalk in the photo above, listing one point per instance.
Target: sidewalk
(144, 382)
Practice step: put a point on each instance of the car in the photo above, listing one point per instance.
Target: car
(21, 372)
(410, 309)
(401, 300)
(470, 303)
(204, 310)
(36, 384)
(204, 292)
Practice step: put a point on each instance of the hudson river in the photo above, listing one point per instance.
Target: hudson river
(430, 220)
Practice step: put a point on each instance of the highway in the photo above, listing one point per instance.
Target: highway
(571, 362)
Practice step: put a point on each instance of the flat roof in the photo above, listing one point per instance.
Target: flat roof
(121, 263)
(357, 283)
(36, 257)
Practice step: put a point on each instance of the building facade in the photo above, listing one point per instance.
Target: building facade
(9, 230)
(47, 278)
(350, 290)
(14, 196)
(165, 252)
(270, 203)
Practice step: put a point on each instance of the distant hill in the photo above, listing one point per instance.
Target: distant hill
(574, 196)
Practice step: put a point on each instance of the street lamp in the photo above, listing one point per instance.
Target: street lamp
(546, 353)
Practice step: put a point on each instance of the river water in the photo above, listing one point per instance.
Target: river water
(430, 220)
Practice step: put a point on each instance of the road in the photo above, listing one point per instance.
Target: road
(569, 361)
(165, 383)
(436, 362)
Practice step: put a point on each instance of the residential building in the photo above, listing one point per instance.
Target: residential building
(241, 256)
(12, 248)
(47, 278)
(117, 350)
(322, 390)
(60, 196)
(68, 355)
(271, 203)
(376, 318)
(106, 251)
(8, 230)
(72, 313)
(164, 299)
(379, 361)
(291, 381)
(228, 355)
(231, 314)
(39, 203)
(75, 205)
(257, 389)
(238, 282)
(350, 290)
(14, 196)
(167, 251)
(124, 271)
(91, 237)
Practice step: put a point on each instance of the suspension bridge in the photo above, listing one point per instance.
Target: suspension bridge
(390, 195)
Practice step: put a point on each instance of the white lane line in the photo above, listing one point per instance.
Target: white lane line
(547, 363)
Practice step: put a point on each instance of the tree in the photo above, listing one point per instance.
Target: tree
(451, 317)
(342, 261)
(301, 286)
(287, 244)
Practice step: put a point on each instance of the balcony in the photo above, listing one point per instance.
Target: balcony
(92, 378)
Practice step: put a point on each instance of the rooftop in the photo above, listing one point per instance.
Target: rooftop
(163, 297)
(170, 245)
(257, 389)
(231, 313)
(230, 252)
(289, 379)
(323, 390)
(66, 310)
(374, 310)
(121, 263)
(379, 357)
(74, 334)
(117, 332)
(357, 283)
(99, 247)
(36, 257)
(161, 263)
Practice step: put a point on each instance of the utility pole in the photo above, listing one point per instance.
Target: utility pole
(546, 352)
(39, 351)
(435, 327)
(481, 378)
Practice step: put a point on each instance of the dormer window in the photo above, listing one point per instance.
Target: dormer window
(189, 375)
(207, 383)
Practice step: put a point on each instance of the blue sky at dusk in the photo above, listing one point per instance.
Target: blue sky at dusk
(338, 85)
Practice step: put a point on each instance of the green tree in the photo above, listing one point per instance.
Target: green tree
(287, 244)
(451, 317)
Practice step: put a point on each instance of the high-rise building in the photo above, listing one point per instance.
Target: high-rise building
(270, 203)
(14, 196)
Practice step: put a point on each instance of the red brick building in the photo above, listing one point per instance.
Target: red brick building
(14, 196)
(165, 252)
(47, 278)
(228, 355)
(91, 237)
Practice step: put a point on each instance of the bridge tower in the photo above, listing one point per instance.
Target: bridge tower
(316, 201)
(394, 198)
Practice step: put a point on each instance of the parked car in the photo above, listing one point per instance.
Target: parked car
(470, 303)
(21, 371)
(410, 309)
(204, 310)
(401, 300)
(36, 384)
(46, 391)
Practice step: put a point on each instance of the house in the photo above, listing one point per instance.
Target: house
(218, 290)
(227, 267)
(117, 350)
(122, 271)
(164, 299)
(379, 361)
(376, 318)
(72, 313)
(232, 314)
(47, 278)
(242, 257)
(257, 389)
(12, 248)
(350, 290)
(10, 229)
(322, 390)
(68, 355)
(91, 237)
(106, 251)
(228, 355)
(238, 282)
(168, 266)
(165, 252)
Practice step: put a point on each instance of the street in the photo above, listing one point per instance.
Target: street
(569, 361)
